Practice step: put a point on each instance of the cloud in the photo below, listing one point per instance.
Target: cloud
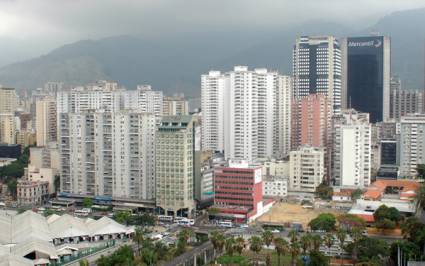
(98, 18)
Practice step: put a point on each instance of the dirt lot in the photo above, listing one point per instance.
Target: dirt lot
(282, 213)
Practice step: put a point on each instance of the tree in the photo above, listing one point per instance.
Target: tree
(83, 262)
(325, 221)
(324, 191)
(121, 257)
(149, 256)
(230, 246)
(356, 235)
(341, 234)
(356, 194)
(184, 235)
(87, 202)
(405, 251)
(281, 247)
(139, 236)
(318, 259)
(420, 198)
(349, 221)
(386, 218)
(268, 260)
(329, 241)
(316, 241)
(267, 237)
(122, 217)
(218, 241)
(12, 187)
(305, 242)
(372, 250)
(255, 244)
(239, 244)
(294, 249)
(420, 168)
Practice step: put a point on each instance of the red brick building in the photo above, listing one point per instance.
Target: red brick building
(238, 192)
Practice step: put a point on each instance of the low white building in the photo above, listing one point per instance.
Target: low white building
(36, 240)
(275, 187)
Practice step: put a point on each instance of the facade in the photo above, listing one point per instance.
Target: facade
(108, 153)
(46, 121)
(144, 99)
(366, 72)
(310, 121)
(175, 105)
(10, 150)
(317, 69)
(238, 191)
(275, 187)
(351, 149)
(204, 188)
(42, 175)
(32, 193)
(101, 95)
(245, 113)
(212, 106)
(283, 117)
(307, 169)
(411, 144)
(175, 165)
(7, 128)
(404, 102)
(8, 100)
(388, 149)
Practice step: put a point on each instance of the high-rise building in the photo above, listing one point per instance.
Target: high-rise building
(351, 149)
(242, 112)
(366, 72)
(174, 165)
(411, 144)
(144, 99)
(109, 97)
(310, 121)
(317, 69)
(212, 106)
(283, 117)
(403, 102)
(108, 153)
(7, 128)
(307, 168)
(101, 95)
(46, 121)
(175, 105)
(8, 100)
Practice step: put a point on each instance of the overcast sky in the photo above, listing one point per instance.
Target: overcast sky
(50, 23)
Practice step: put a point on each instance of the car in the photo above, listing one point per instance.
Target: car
(275, 231)
(244, 226)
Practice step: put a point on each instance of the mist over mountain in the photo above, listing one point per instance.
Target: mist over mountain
(174, 64)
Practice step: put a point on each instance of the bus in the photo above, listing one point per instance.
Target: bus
(165, 218)
(225, 223)
(82, 212)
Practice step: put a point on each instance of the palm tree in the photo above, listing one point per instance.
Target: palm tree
(138, 237)
(316, 241)
(239, 244)
(255, 244)
(293, 235)
(230, 246)
(420, 198)
(305, 242)
(329, 241)
(281, 247)
(341, 234)
(356, 235)
(294, 249)
(267, 237)
(218, 240)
